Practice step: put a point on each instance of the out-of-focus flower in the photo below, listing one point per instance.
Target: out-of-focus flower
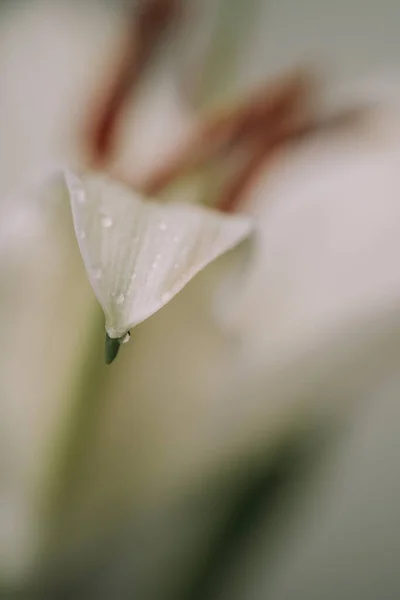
(207, 389)
(53, 418)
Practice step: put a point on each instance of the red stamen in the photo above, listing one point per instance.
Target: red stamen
(151, 20)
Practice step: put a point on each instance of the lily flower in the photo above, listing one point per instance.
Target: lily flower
(172, 472)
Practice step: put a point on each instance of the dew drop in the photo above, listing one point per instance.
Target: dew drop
(120, 299)
(106, 222)
(166, 297)
(125, 339)
(80, 195)
(163, 226)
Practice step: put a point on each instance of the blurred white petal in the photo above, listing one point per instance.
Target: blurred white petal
(43, 293)
(326, 271)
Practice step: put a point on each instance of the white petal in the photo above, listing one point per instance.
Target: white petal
(139, 254)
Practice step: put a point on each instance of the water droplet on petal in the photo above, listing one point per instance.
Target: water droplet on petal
(166, 297)
(106, 222)
(163, 226)
(125, 339)
(120, 299)
(80, 195)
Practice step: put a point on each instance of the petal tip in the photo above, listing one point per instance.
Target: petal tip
(111, 349)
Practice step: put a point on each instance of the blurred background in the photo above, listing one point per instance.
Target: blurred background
(246, 448)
